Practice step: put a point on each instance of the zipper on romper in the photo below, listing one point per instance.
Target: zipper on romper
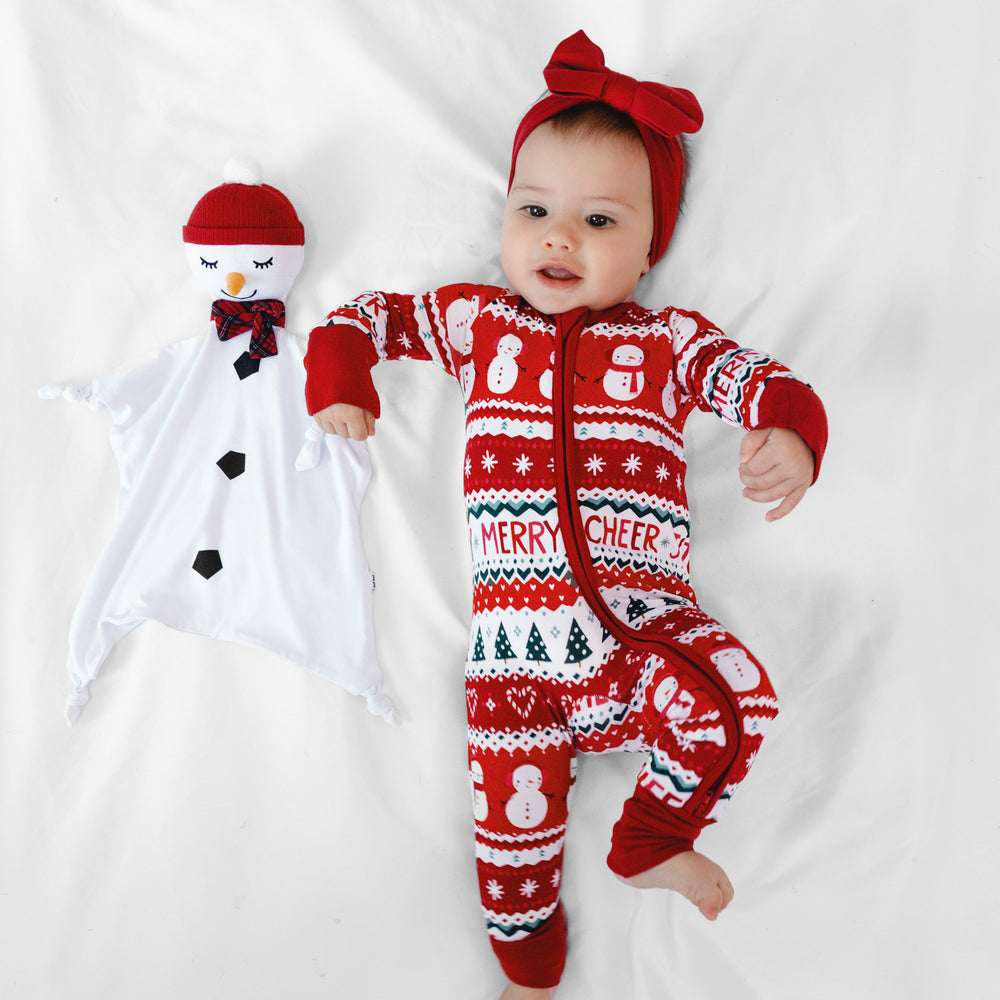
(569, 327)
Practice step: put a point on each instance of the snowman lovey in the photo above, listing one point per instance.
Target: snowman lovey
(237, 518)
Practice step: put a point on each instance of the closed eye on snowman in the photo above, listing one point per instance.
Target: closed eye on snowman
(624, 379)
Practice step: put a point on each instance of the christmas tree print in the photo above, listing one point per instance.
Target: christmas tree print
(536, 647)
(478, 654)
(577, 647)
(502, 648)
(636, 608)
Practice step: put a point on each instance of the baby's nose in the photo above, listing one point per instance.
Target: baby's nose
(560, 235)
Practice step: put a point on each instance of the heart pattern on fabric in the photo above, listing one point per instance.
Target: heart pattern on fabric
(522, 700)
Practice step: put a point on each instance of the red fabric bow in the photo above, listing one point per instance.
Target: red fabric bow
(576, 74)
(260, 316)
(577, 70)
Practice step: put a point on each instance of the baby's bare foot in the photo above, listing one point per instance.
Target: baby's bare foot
(514, 992)
(694, 876)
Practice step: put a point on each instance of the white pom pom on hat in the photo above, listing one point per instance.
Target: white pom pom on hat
(242, 170)
(243, 210)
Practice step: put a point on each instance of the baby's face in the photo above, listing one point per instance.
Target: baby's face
(578, 222)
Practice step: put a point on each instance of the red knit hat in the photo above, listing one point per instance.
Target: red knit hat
(243, 210)
(576, 74)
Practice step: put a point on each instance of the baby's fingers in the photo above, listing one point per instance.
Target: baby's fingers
(787, 505)
(769, 490)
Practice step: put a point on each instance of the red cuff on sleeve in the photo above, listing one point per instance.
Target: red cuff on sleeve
(786, 402)
(338, 369)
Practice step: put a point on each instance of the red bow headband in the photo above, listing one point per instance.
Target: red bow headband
(576, 74)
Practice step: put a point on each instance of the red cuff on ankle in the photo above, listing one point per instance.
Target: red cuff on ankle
(648, 833)
(536, 961)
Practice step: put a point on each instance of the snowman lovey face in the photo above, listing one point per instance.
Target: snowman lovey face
(245, 272)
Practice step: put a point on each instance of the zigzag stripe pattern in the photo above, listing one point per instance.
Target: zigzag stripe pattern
(516, 926)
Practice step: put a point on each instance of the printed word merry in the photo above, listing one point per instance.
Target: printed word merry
(520, 538)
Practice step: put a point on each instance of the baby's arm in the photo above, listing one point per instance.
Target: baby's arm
(781, 453)
(776, 464)
(379, 326)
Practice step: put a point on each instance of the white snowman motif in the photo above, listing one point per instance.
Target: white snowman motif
(545, 382)
(673, 701)
(459, 317)
(737, 669)
(624, 379)
(527, 807)
(503, 370)
(669, 398)
(480, 806)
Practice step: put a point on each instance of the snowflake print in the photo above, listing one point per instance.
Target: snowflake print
(633, 465)
(494, 888)
(523, 464)
(489, 461)
(529, 887)
(468, 467)
(662, 472)
(595, 464)
(405, 341)
(556, 875)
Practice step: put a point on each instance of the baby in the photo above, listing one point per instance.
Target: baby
(586, 635)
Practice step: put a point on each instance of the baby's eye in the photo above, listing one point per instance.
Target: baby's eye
(209, 263)
(263, 263)
(599, 221)
(534, 211)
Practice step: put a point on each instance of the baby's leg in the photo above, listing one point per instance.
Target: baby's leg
(520, 761)
(695, 761)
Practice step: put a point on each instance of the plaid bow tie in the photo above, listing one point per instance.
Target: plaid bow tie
(260, 316)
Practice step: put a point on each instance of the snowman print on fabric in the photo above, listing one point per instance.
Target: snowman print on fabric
(459, 317)
(480, 805)
(527, 807)
(237, 518)
(624, 380)
(737, 669)
(503, 370)
(545, 379)
(672, 701)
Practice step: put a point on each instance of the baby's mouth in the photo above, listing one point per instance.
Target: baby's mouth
(556, 272)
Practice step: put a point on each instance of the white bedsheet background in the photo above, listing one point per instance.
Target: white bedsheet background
(222, 824)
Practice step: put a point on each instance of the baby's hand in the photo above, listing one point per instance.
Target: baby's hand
(776, 464)
(346, 421)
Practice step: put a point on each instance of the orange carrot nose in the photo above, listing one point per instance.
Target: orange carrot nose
(234, 282)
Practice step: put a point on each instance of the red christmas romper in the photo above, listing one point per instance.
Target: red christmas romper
(585, 633)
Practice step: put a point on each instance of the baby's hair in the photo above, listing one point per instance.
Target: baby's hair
(597, 118)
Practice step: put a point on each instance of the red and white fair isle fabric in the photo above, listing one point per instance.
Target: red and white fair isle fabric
(544, 677)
